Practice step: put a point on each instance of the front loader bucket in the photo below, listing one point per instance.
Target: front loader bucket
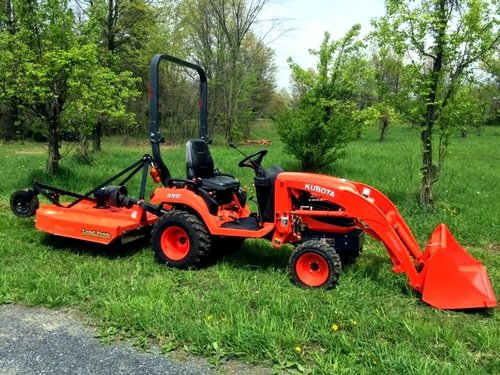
(453, 279)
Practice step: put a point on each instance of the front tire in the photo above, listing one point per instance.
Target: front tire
(181, 240)
(315, 264)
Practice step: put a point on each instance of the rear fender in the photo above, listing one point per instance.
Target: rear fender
(175, 197)
(184, 197)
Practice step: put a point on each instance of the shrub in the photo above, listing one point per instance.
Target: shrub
(314, 138)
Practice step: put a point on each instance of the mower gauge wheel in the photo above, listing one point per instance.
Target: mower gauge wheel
(24, 203)
(253, 161)
(181, 240)
(315, 264)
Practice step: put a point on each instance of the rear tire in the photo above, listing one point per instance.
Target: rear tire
(315, 264)
(181, 240)
(24, 203)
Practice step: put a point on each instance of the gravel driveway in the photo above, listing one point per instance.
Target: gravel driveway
(42, 341)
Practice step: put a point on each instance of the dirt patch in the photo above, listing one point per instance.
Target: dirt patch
(29, 152)
(263, 142)
(494, 247)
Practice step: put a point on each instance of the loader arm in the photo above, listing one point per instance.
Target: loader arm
(446, 275)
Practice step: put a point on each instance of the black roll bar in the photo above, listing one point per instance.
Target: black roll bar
(154, 131)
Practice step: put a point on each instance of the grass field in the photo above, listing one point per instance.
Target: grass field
(245, 307)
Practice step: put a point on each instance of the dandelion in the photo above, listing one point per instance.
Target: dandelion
(335, 327)
(210, 317)
(298, 349)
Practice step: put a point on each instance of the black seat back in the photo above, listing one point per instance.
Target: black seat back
(199, 161)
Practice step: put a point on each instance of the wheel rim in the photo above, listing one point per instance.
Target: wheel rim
(312, 269)
(175, 243)
(21, 205)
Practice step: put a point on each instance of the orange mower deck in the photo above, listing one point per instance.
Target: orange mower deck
(85, 222)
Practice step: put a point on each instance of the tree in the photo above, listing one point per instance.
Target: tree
(490, 88)
(220, 36)
(123, 28)
(259, 81)
(466, 110)
(442, 41)
(51, 66)
(10, 107)
(388, 71)
(332, 102)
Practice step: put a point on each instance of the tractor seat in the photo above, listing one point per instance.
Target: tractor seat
(200, 165)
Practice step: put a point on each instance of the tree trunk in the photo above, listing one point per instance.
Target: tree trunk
(429, 171)
(12, 117)
(427, 167)
(384, 124)
(13, 105)
(96, 136)
(83, 149)
(53, 139)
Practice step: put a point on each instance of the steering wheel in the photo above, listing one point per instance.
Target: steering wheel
(253, 161)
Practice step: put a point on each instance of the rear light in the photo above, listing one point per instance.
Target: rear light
(155, 174)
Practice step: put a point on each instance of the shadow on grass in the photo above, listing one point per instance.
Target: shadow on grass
(482, 313)
(259, 254)
(371, 266)
(62, 174)
(114, 250)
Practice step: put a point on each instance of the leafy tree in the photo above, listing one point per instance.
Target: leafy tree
(9, 108)
(97, 96)
(442, 41)
(467, 111)
(331, 104)
(51, 67)
(122, 29)
(388, 71)
(490, 87)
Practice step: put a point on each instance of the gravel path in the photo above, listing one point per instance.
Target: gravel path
(42, 341)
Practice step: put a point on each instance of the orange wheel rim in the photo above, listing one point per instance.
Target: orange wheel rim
(312, 269)
(175, 243)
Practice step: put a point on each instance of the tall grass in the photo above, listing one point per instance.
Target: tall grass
(245, 307)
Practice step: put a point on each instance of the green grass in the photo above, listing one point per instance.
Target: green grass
(245, 307)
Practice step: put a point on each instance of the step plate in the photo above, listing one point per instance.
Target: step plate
(245, 223)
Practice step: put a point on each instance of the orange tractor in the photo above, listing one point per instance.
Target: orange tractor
(189, 219)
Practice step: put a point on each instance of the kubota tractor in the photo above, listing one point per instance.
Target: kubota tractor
(191, 218)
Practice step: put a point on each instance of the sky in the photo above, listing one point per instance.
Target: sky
(309, 19)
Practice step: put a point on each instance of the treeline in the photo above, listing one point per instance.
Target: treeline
(79, 69)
